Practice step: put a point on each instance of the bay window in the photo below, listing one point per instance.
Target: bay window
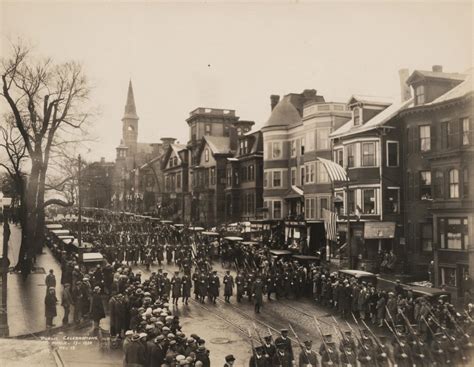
(368, 197)
(425, 185)
(368, 154)
(276, 178)
(276, 209)
(453, 233)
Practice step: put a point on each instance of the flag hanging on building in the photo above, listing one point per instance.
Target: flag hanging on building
(330, 220)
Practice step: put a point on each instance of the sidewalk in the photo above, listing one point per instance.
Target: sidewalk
(25, 303)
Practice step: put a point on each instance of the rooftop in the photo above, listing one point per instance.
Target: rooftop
(284, 114)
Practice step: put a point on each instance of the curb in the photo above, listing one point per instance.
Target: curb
(54, 330)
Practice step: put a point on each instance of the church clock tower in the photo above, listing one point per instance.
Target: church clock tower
(130, 123)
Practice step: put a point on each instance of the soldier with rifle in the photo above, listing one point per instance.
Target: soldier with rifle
(307, 357)
(327, 350)
(401, 351)
(382, 352)
(347, 347)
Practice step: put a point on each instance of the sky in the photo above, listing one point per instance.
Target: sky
(181, 56)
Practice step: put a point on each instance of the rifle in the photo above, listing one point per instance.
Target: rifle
(328, 350)
(377, 340)
(402, 345)
(253, 348)
(303, 349)
(260, 339)
(337, 328)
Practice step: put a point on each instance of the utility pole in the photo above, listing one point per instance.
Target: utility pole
(79, 203)
(348, 237)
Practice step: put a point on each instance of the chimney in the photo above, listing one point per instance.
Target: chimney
(405, 91)
(437, 68)
(274, 99)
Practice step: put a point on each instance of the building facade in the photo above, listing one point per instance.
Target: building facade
(97, 184)
(438, 155)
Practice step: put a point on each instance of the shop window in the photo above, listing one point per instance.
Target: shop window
(448, 276)
(369, 201)
(392, 154)
(454, 184)
(425, 185)
(426, 230)
(392, 201)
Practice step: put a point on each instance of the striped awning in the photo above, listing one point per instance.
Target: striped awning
(336, 172)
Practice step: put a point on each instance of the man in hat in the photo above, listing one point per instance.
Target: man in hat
(176, 287)
(308, 357)
(257, 293)
(186, 284)
(284, 340)
(66, 302)
(240, 282)
(328, 352)
(214, 285)
(268, 347)
(50, 280)
(202, 354)
(97, 311)
(259, 358)
(228, 286)
(134, 352)
(282, 357)
(50, 302)
(229, 360)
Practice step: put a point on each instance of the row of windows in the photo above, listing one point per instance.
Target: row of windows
(173, 182)
(247, 204)
(364, 154)
(421, 185)
(173, 161)
(314, 207)
(314, 140)
(454, 133)
(246, 174)
(204, 178)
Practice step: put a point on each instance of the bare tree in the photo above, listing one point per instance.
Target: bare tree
(47, 102)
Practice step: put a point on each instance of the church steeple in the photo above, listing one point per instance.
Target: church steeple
(130, 109)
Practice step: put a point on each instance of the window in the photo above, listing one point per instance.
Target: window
(351, 201)
(206, 155)
(448, 276)
(438, 185)
(322, 142)
(251, 173)
(426, 230)
(392, 154)
(243, 174)
(357, 115)
(307, 178)
(454, 184)
(453, 233)
(339, 157)
(276, 150)
(368, 154)
(293, 148)
(392, 201)
(425, 138)
(350, 155)
(293, 176)
(207, 129)
(265, 179)
(193, 133)
(276, 178)
(420, 95)
(213, 175)
(323, 204)
(466, 131)
(451, 134)
(302, 175)
(369, 201)
(276, 209)
(322, 173)
(226, 130)
(302, 145)
(310, 208)
(178, 180)
(465, 182)
(311, 172)
(425, 185)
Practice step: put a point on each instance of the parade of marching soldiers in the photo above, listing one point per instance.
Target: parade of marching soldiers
(375, 326)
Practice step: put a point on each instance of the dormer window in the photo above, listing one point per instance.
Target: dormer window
(357, 116)
(206, 155)
(420, 95)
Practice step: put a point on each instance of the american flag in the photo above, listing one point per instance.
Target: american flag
(330, 220)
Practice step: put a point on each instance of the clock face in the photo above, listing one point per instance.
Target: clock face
(130, 128)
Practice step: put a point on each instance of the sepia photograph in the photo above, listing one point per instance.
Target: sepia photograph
(246, 183)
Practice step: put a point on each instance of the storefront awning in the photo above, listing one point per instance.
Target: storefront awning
(336, 172)
(379, 230)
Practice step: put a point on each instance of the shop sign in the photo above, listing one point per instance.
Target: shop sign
(379, 230)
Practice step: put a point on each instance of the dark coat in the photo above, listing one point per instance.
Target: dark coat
(228, 285)
(134, 354)
(186, 282)
(97, 308)
(258, 292)
(176, 287)
(50, 305)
